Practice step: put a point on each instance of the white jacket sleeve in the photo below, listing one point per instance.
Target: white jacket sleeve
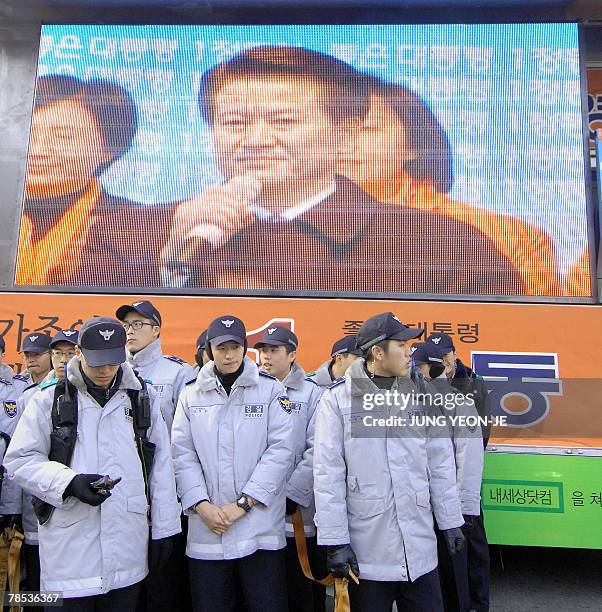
(330, 473)
(26, 459)
(300, 486)
(165, 509)
(442, 482)
(269, 475)
(190, 478)
(11, 500)
(469, 462)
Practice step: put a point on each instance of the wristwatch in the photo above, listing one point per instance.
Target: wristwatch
(243, 502)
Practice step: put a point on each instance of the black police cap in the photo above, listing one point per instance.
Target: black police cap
(143, 308)
(278, 336)
(385, 326)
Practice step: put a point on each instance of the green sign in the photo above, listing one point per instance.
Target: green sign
(543, 500)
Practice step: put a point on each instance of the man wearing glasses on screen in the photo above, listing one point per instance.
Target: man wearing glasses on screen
(281, 118)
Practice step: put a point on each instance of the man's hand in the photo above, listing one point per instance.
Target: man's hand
(80, 487)
(233, 512)
(454, 540)
(216, 214)
(341, 559)
(213, 517)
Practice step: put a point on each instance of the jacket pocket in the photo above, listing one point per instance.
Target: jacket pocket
(365, 507)
(137, 504)
(65, 517)
(423, 498)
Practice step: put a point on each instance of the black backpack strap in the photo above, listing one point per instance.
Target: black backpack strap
(140, 402)
(64, 416)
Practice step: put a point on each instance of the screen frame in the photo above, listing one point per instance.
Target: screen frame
(591, 212)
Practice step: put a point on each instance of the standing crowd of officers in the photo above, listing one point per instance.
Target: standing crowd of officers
(174, 488)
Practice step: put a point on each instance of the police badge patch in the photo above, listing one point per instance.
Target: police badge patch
(10, 407)
(285, 404)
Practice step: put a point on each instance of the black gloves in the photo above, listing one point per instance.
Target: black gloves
(80, 487)
(291, 506)
(159, 553)
(341, 559)
(468, 522)
(454, 539)
(10, 520)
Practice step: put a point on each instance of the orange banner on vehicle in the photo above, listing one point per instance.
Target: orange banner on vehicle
(560, 341)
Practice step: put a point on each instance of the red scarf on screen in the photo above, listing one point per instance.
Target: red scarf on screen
(57, 252)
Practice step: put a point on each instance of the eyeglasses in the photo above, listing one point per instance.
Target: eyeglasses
(137, 325)
(63, 356)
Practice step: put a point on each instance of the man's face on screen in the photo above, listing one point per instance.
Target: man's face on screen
(65, 149)
(276, 130)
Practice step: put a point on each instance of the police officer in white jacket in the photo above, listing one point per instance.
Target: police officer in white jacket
(233, 449)
(38, 365)
(168, 586)
(277, 354)
(377, 484)
(95, 547)
(466, 381)
(62, 350)
(11, 388)
(344, 352)
(466, 437)
(166, 374)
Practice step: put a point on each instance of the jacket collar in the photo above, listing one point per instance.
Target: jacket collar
(358, 382)
(351, 225)
(147, 356)
(128, 379)
(207, 379)
(322, 376)
(6, 374)
(294, 379)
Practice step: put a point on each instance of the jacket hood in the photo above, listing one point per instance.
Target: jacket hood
(207, 378)
(294, 379)
(147, 355)
(128, 379)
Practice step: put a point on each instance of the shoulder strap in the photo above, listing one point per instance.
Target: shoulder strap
(141, 421)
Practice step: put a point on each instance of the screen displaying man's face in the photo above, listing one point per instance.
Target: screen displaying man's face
(65, 149)
(328, 143)
(274, 129)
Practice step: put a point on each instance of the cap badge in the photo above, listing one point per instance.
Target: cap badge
(413, 350)
(69, 332)
(228, 323)
(436, 340)
(33, 338)
(136, 303)
(106, 334)
(271, 330)
(396, 318)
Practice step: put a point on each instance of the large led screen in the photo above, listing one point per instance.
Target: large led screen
(431, 159)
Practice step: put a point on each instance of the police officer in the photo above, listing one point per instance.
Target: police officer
(233, 449)
(344, 352)
(62, 349)
(201, 357)
(36, 357)
(94, 546)
(167, 374)
(167, 587)
(468, 457)
(277, 355)
(375, 485)
(11, 387)
(468, 382)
